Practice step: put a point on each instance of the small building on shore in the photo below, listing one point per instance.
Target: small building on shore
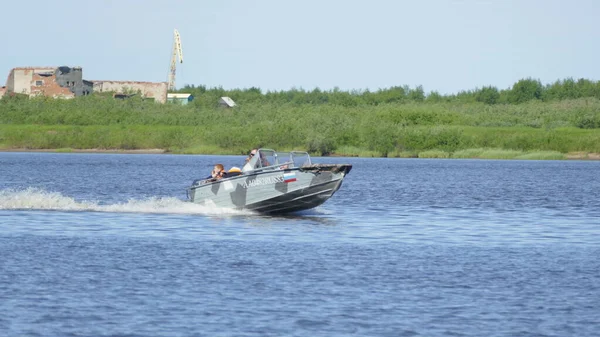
(182, 99)
(226, 102)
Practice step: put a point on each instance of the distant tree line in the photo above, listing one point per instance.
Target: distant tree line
(562, 117)
(524, 90)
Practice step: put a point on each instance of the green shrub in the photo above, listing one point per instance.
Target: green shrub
(468, 153)
(434, 154)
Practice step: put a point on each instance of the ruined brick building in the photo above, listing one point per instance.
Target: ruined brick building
(68, 82)
(152, 90)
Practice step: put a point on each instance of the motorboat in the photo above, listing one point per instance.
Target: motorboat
(272, 182)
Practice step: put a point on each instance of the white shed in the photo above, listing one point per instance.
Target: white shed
(226, 102)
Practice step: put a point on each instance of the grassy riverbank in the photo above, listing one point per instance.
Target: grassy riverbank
(418, 141)
(325, 123)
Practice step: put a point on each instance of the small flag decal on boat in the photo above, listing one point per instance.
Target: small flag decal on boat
(289, 177)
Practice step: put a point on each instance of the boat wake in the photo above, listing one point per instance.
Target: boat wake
(38, 199)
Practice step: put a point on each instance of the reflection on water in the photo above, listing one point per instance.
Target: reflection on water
(307, 217)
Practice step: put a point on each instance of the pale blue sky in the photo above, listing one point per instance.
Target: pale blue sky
(444, 45)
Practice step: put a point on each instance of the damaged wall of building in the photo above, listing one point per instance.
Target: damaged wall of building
(88, 87)
(10, 82)
(71, 78)
(68, 82)
(154, 90)
(36, 81)
(21, 80)
(46, 84)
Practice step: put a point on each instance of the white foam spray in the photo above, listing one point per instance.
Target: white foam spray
(38, 199)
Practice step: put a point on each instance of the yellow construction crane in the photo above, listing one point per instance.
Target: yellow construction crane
(177, 54)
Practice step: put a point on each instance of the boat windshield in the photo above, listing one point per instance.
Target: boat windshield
(270, 159)
(299, 159)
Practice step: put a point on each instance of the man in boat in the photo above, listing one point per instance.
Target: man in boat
(260, 162)
(247, 166)
(251, 154)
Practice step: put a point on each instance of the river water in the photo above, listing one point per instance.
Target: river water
(106, 245)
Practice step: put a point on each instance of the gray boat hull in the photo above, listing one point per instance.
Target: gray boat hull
(273, 191)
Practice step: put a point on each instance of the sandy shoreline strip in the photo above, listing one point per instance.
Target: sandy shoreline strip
(583, 155)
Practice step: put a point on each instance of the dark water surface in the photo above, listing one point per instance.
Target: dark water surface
(105, 245)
